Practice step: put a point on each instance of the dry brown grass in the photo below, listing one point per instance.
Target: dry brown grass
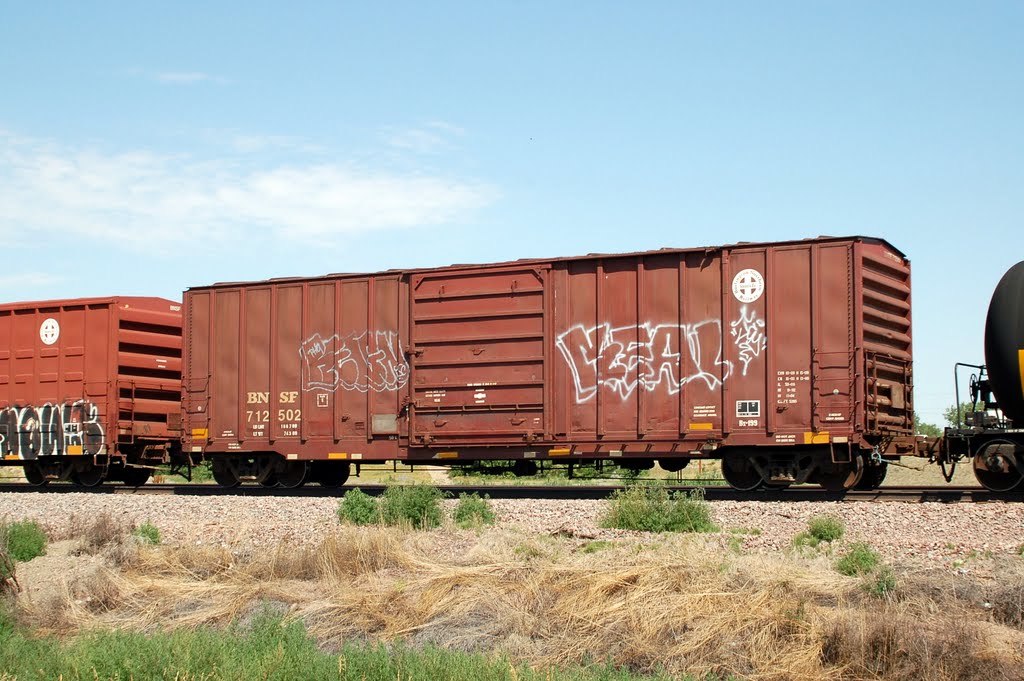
(682, 604)
(98, 532)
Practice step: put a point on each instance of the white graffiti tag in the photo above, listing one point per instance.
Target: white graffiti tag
(647, 356)
(366, 361)
(51, 430)
(748, 334)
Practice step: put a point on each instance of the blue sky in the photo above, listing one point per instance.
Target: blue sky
(148, 147)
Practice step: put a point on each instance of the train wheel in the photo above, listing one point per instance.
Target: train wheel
(34, 474)
(998, 466)
(223, 474)
(90, 477)
(330, 474)
(741, 474)
(839, 477)
(293, 474)
(135, 477)
(270, 481)
(874, 475)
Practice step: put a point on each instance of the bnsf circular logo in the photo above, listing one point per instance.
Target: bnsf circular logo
(49, 331)
(748, 285)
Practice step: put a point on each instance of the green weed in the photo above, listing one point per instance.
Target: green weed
(653, 509)
(826, 528)
(822, 528)
(858, 559)
(23, 540)
(473, 511)
(416, 505)
(358, 508)
(883, 583)
(147, 533)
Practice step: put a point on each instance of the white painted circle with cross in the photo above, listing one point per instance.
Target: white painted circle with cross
(49, 331)
(748, 285)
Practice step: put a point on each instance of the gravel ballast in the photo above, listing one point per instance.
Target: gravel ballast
(932, 535)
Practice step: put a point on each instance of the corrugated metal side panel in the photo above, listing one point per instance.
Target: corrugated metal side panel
(834, 342)
(886, 336)
(478, 355)
(746, 340)
(148, 368)
(56, 394)
(789, 331)
(639, 348)
(315, 366)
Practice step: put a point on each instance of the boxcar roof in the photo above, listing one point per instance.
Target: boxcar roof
(539, 261)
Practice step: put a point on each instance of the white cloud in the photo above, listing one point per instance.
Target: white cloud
(425, 139)
(187, 77)
(247, 143)
(153, 201)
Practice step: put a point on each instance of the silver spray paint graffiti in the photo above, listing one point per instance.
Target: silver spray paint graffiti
(652, 360)
(51, 430)
(348, 362)
(748, 334)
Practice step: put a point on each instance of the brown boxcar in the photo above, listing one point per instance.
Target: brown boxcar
(790, 360)
(90, 388)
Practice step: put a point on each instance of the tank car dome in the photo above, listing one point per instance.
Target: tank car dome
(1004, 344)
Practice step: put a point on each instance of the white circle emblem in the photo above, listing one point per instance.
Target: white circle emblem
(748, 285)
(49, 331)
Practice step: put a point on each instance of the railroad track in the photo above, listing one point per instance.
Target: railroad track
(803, 493)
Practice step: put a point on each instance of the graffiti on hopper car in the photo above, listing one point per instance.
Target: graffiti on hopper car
(51, 430)
(367, 361)
(651, 356)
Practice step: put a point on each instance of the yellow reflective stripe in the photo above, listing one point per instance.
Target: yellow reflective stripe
(816, 438)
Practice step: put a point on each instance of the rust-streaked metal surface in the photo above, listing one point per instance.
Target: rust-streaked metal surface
(633, 355)
(88, 376)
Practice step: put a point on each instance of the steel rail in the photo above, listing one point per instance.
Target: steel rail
(915, 494)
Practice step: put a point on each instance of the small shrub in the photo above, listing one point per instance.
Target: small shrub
(859, 559)
(826, 528)
(883, 583)
(147, 533)
(358, 508)
(652, 509)
(473, 511)
(417, 505)
(821, 528)
(23, 540)
(690, 513)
